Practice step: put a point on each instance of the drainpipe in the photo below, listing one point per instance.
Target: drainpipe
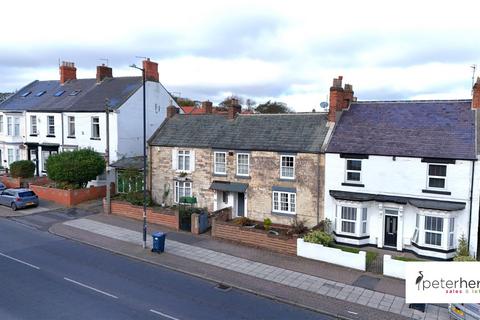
(318, 188)
(471, 202)
(63, 141)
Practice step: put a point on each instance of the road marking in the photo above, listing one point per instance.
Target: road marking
(25, 263)
(163, 314)
(91, 288)
(351, 312)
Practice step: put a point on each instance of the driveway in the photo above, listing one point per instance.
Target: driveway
(7, 212)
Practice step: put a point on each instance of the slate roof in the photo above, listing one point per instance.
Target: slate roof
(416, 202)
(129, 163)
(431, 129)
(91, 95)
(300, 132)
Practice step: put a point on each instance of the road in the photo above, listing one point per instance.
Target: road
(44, 276)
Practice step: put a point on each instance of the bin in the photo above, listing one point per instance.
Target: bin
(158, 242)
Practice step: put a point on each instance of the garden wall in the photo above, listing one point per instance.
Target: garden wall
(393, 268)
(10, 182)
(68, 197)
(161, 216)
(253, 237)
(332, 255)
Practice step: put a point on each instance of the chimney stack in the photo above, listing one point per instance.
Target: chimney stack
(234, 108)
(476, 95)
(103, 72)
(172, 111)
(207, 106)
(340, 98)
(151, 70)
(67, 72)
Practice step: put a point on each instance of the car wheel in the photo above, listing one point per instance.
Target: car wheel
(14, 207)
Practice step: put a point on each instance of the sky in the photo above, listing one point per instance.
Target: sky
(286, 51)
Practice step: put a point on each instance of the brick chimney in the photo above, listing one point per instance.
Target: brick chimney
(151, 70)
(207, 106)
(103, 72)
(234, 108)
(172, 111)
(340, 98)
(476, 95)
(67, 72)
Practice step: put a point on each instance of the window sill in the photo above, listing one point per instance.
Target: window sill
(436, 192)
(350, 184)
(34, 135)
(242, 177)
(219, 174)
(95, 139)
(50, 136)
(70, 137)
(284, 214)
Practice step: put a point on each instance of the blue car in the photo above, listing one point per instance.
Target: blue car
(2, 187)
(18, 198)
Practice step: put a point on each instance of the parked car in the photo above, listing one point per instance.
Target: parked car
(2, 187)
(461, 311)
(18, 198)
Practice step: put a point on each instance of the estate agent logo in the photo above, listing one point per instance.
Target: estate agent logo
(442, 282)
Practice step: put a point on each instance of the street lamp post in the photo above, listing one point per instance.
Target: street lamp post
(144, 157)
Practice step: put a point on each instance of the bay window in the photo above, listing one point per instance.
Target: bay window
(351, 220)
(433, 230)
(348, 219)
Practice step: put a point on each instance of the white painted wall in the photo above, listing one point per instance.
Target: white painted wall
(401, 177)
(393, 268)
(12, 142)
(331, 255)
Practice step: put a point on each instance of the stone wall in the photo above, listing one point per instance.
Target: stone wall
(264, 174)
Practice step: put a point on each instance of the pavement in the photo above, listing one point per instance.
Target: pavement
(7, 212)
(311, 284)
(45, 276)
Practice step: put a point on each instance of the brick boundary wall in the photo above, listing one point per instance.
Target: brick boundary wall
(11, 182)
(165, 217)
(256, 238)
(68, 197)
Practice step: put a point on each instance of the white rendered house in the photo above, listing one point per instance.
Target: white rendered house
(68, 114)
(403, 175)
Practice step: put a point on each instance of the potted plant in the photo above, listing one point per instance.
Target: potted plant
(267, 223)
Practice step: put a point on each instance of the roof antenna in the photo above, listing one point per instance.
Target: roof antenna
(474, 68)
(104, 59)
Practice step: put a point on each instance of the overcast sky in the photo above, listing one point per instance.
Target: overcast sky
(287, 51)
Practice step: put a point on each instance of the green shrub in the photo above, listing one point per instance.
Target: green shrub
(464, 258)
(371, 256)
(319, 237)
(136, 198)
(462, 249)
(243, 221)
(345, 248)
(297, 227)
(267, 223)
(22, 169)
(75, 167)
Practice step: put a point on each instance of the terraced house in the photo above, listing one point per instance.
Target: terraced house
(47, 117)
(263, 166)
(403, 175)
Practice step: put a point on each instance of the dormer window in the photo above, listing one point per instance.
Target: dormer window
(353, 172)
(437, 176)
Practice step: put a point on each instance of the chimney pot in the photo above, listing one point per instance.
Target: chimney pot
(234, 109)
(151, 70)
(476, 95)
(172, 111)
(67, 72)
(103, 72)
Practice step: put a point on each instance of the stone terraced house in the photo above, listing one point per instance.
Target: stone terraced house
(261, 165)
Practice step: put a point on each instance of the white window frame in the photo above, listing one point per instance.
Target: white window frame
(182, 162)
(51, 126)
(291, 202)
(349, 221)
(177, 192)
(16, 126)
(17, 154)
(441, 233)
(217, 163)
(10, 156)
(1, 123)
(9, 126)
(95, 123)
(364, 217)
(451, 232)
(33, 125)
(444, 178)
(282, 167)
(248, 164)
(70, 126)
(353, 171)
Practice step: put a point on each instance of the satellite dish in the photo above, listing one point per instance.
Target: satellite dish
(324, 104)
